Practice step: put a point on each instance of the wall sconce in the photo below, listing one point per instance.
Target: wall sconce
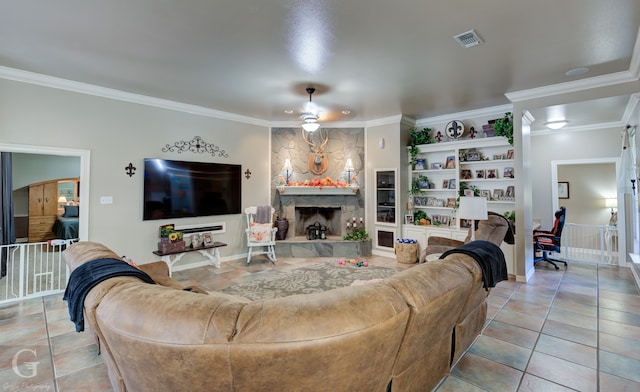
(348, 168)
(474, 208)
(287, 169)
(611, 202)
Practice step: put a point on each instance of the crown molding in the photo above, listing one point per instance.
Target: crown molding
(490, 111)
(584, 128)
(634, 66)
(395, 119)
(573, 86)
(118, 95)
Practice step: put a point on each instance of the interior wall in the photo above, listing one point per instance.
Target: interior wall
(589, 185)
(600, 143)
(118, 133)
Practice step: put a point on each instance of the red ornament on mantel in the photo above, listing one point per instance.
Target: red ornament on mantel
(439, 136)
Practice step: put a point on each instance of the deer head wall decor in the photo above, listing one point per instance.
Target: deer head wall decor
(317, 160)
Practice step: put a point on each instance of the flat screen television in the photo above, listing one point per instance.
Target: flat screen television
(180, 189)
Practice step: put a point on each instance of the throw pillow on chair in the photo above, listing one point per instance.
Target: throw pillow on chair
(260, 232)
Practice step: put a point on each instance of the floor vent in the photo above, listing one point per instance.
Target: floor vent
(468, 39)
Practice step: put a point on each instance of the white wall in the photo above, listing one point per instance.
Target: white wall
(601, 143)
(118, 133)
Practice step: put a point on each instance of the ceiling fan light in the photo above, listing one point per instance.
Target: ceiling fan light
(310, 126)
(556, 124)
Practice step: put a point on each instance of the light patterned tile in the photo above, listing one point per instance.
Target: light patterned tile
(500, 351)
(520, 320)
(511, 333)
(565, 349)
(620, 366)
(563, 372)
(609, 382)
(531, 383)
(487, 374)
(454, 384)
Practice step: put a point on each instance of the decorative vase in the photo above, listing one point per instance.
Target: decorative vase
(283, 229)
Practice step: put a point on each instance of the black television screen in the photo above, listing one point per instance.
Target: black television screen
(180, 189)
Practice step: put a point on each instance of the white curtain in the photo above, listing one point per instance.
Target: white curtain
(628, 186)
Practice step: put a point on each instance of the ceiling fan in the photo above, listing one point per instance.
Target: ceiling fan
(310, 115)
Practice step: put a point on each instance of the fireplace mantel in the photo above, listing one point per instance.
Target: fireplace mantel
(314, 190)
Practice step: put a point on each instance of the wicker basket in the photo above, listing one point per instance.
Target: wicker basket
(406, 253)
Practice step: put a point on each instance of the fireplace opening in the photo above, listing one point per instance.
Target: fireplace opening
(326, 216)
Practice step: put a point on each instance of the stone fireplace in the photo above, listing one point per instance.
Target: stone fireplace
(329, 207)
(330, 217)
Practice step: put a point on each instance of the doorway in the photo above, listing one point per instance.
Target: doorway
(84, 155)
(588, 188)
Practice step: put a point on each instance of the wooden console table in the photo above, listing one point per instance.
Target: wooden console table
(211, 252)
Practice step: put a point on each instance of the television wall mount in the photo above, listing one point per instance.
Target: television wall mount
(195, 145)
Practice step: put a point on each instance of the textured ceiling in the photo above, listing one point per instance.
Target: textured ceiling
(373, 58)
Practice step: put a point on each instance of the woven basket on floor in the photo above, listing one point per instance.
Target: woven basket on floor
(406, 253)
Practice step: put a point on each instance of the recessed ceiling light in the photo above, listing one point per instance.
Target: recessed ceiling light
(577, 71)
(288, 111)
(556, 124)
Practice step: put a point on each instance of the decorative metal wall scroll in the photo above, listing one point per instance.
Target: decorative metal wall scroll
(130, 170)
(247, 174)
(196, 145)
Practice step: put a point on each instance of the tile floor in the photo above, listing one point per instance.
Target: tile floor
(565, 330)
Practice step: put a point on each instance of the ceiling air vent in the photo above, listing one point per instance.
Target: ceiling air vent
(468, 39)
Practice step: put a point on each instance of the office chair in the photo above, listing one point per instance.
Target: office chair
(549, 241)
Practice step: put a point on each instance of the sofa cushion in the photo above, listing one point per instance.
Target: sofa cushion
(85, 251)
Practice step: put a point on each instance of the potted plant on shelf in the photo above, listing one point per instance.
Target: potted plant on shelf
(418, 137)
(504, 127)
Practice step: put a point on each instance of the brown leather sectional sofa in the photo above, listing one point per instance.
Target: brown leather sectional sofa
(401, 334)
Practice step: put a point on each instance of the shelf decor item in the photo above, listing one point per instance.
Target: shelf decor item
(504, 127)
(454, 129)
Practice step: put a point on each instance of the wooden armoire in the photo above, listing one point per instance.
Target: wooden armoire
(43, 208)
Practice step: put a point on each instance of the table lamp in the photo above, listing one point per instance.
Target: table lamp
(474, 208)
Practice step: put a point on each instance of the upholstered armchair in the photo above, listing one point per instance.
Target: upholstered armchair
(495, 229)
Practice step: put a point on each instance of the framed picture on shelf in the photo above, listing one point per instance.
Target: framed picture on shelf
(492, 173)
(452, 183)
(444, 220)
(466, 174)
(480, 173)
(451, 162)
(451, 202)
(465, 223)
(452, 221)
(439, 203)
(510, 193)
(498, 193)
(563, 190)
(436, 166)
(420, 164)
(497, 156)
(408, 219)
(431, 202)
(510, 154)
(508, 172)
(468, 193)
(435, 219)
(486, 194)
(445, 184)
(473, 156)
(206, 239)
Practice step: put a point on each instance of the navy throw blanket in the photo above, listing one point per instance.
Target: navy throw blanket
(489, 257)
(88, 275)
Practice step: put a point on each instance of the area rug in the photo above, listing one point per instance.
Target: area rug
(315, 278)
